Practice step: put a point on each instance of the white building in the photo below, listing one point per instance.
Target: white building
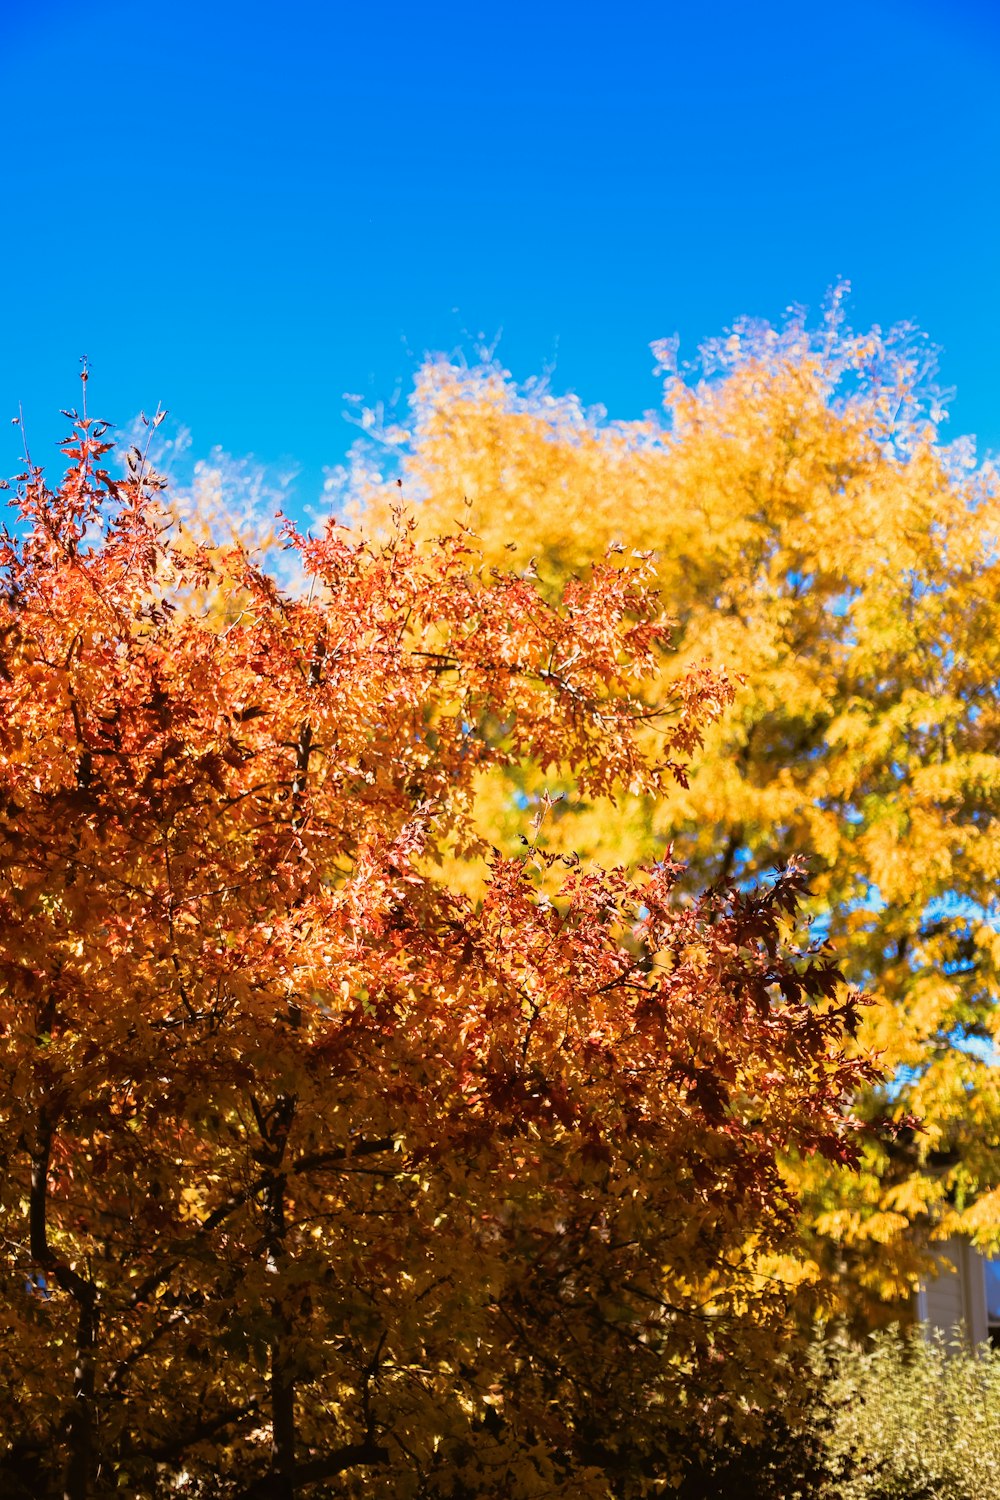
(967, 1292)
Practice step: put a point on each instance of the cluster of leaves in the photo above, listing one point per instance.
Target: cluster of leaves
(318, 1173)
(810, 529)
(896, 1418)
(791, 1460)
(912, 1419)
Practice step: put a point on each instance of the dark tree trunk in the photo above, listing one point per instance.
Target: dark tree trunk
(282, 1415)
(275, 1127)
(79, 1423)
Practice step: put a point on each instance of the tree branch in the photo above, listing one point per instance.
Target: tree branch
(199, 1432)
(339, 1156)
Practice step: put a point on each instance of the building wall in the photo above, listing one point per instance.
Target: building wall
(957, 1296)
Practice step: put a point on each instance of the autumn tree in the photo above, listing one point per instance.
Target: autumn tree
(812, 529)
(321, 1176)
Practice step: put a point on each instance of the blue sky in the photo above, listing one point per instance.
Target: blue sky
(244, 211)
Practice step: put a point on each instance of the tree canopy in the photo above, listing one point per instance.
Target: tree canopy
(321, 1174)
(812, 530)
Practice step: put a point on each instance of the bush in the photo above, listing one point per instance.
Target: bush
(901, 1417)
(914, 1419)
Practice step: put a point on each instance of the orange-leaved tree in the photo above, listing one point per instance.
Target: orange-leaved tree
(320, 1177)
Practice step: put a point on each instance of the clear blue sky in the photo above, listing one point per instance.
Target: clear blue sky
(244, 211)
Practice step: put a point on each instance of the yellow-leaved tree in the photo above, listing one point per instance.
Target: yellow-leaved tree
(810, 528)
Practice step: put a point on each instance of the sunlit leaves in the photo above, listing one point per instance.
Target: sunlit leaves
(810, 531)
(320, 1171)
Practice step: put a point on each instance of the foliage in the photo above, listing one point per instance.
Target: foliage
(810, 530)
(792, 1459)
(896, 1418)
(915, 1419)
(319, 1173)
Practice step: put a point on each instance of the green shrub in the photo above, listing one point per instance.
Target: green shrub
(901, 1417)
(912, 1419)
